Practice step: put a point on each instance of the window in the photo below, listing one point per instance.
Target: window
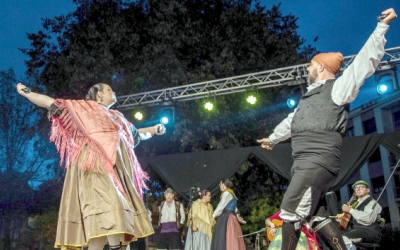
(369, 126)
(386, 214)
(392, 159)
(376, 156)
(396, 120)
(396, 178)
(377, 184)
(351, 192)
(350, 132)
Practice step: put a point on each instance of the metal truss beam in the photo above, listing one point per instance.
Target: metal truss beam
(293, 75)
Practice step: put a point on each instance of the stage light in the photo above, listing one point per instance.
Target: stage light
(138, 116)
(382, 88)
(251, 99)
(167, 115)
(386, 79)
(291, 103)
(164, 120)
(209, 106)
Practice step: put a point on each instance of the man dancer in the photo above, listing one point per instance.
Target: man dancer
(316, 128)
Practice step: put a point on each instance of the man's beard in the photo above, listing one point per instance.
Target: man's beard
(312, 77)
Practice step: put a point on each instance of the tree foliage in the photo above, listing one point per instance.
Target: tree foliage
(27, 160)
(145, 45)
(260, 210)
(148, 44)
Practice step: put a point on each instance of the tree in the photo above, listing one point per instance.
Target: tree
(146, 45)
(151, 44)
(27, 160)
(260, 210)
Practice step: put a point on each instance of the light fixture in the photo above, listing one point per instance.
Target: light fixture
(164, 120)
(382, 88)
(209, 106)
(251, 99)
(139, 116)
(291, 103)
(167, 115)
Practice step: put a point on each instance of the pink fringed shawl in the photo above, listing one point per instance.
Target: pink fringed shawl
(85, 124)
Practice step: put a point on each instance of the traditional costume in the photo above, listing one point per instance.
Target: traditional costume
(104, 181)
(201, 216)
(316, 128)
(227, 229)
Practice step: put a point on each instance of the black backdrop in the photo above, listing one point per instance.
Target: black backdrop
(206, 168)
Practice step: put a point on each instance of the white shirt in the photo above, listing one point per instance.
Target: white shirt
(346, 87)
(369, 215)
(168, 213)
(226, 198)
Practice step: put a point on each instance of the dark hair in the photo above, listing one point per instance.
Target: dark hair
(92, 93)
(204, 193)
(228, 182)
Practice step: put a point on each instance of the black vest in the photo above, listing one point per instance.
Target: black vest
(317, 112)
(177, 211)
(318, 127)
(361, 207)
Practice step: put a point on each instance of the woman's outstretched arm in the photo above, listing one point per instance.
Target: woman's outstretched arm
(36, 98)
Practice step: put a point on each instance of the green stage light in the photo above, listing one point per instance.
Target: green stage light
(251, 99)
(209, 106)
(138, 116)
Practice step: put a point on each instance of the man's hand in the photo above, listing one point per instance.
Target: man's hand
(194, 229)
(339, 217)
(266, 143)
(390, 16)
(346, 208)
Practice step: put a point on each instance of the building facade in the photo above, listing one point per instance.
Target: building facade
(379, 115)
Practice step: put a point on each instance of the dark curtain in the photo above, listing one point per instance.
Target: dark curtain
(279, 159)
(198, 169)
(355, 152)
(392, 143)
(206, 168)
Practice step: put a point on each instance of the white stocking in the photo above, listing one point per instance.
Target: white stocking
(97, 243)
(115, 240)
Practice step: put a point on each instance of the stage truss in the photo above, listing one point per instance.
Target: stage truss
(293, 75)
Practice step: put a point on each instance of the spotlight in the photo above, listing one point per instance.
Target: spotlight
(164, 120)
(291, 103)
(138, 116)
(386, 80)
(209, 106)
(382, 88)
(251, 99)
(167, 115)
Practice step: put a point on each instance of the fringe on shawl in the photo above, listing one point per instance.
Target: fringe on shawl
(139, 176)
(201, 213)
(70, 140)
(203, 227)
